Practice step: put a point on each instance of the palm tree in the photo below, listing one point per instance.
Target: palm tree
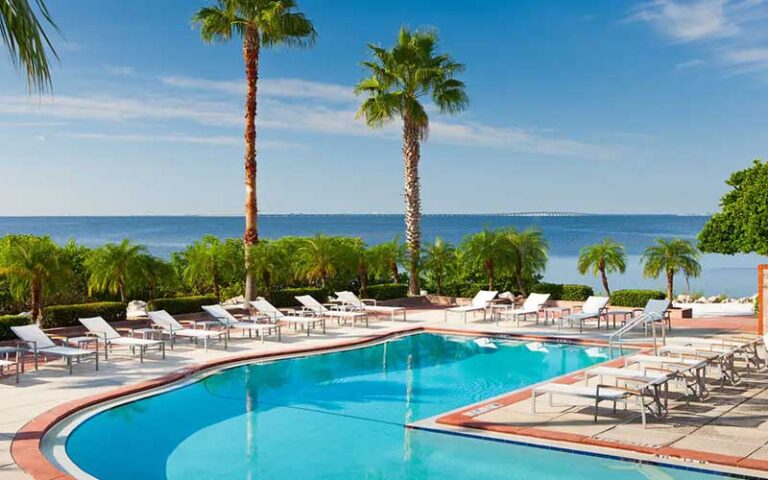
(530, 255)
(488, 251)
(258, 23)
(399, 78)
(670, 257)
(116, 268)
(318, 259)
(603, 258)
(158, 274)
(209, 262)
(385, 258)
(33, 266)
(23, 34)
(439, 261)
(266, 261)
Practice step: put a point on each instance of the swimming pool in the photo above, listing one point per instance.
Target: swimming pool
(340, 415)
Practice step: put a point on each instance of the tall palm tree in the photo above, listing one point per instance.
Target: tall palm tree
(603, 258)
(33, 266)
(117, 268)
(670, 256)
(385, 259)
(258, 23)
(531, 253)
(488, 251)
(399, 78)
(22, 30)
(318, 259)
(209, 261)
(439, 261)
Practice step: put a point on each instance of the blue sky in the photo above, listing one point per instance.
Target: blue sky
(600, 106)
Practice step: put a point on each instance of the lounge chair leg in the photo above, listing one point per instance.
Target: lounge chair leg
(162, 349)
(69, 364)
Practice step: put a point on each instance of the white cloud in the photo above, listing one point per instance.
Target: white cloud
(119, 70)
(216, 140)
(269, 87)
(689, 20)
(318, 112)
(696, 62)
(733, 31)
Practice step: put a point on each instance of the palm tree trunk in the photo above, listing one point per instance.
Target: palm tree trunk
(670, 285)
(604, 278)
(395, 273)
(36, 289)
(362, 274)
(251, 236)
(121, 288)
(411, 155)
(489, 270)
(519, 278)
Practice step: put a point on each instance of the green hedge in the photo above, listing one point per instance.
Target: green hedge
(178, 305)
(286, 297)
(635, 298)
(570, 292)
(68, 315)
(8, 321)
(386, 291)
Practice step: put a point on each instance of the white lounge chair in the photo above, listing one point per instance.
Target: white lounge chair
(307, 322)
(692, 371)
(41, 344)
(17, 363)
(313, 306)
(594, 307)
(480, 303)
(108, 336)
(645, 391)
(531, 306)
(369, 305)
(171, 327)
(230, 321)
(655, 310)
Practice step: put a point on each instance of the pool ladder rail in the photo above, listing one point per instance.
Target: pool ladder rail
(643, 319)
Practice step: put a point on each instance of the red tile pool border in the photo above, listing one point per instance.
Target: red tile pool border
(25, 447)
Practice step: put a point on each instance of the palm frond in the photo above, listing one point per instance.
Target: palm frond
(27, 42)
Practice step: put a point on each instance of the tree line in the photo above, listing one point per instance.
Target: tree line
(36, 270)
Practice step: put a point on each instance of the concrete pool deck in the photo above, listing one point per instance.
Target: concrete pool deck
(42, 396)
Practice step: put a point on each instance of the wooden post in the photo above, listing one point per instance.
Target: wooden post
(762, 286)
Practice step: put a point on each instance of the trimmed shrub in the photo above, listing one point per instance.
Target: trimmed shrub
(8, 321)
(178, 305)
(68, 315)
(286, 297)
(635, 298)
(386, 291)
(576, 293)
(569, 292)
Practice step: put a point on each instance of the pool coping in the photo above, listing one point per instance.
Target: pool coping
(27, 452)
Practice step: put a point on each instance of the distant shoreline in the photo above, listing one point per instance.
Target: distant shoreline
(508, 214)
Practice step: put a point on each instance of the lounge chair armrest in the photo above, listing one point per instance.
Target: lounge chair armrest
(368, 301)
(633, 391)
(635, 311)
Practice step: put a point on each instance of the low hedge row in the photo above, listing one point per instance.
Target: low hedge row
(8, 321)
(635, 298)
(386, 291)
(286, 297)
(178, 305)
(569, 292)
(67, 315)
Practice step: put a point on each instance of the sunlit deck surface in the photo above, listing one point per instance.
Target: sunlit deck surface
(732, 422)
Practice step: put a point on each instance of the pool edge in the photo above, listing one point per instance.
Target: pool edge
(26, 446)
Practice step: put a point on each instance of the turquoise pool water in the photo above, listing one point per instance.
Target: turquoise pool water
(340, 416)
